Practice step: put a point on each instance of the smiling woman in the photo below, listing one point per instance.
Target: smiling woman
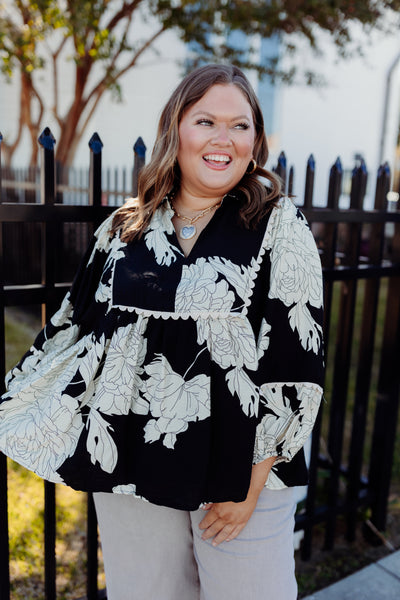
(182, 374)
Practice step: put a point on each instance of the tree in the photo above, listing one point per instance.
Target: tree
(103, 39)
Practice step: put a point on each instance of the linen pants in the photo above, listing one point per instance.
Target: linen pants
(156, 553)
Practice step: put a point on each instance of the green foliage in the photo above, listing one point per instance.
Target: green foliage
(98, 29)
(110, 35)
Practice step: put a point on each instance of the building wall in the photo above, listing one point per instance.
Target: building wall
(343, 118)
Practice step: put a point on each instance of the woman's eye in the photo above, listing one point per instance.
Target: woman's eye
(242, 126)
(204, 122)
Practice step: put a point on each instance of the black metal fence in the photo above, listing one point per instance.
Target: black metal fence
(351, 452)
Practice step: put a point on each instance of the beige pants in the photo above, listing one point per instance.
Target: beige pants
(156, 553)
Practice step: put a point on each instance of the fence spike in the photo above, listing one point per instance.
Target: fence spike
(1, 137)
(337, 166)
(140, 147)
(47, 139)
(281, 169)
(382, 186)
(282, 159)
(309, 186)
(358, 184)
(335, 184)
(311, 162)
(291, 180)
(95, 143)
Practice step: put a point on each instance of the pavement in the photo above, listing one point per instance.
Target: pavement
(379, 581)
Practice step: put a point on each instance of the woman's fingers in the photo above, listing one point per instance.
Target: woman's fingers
(224, 521)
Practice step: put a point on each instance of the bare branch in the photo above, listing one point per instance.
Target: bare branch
(91, 111)
(54, 54)
(106, 81)
(128, 8)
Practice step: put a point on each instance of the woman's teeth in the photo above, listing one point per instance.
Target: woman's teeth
(218, 158)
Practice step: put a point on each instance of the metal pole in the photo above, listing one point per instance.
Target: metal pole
(4, 545)
(386, 107)
(48, 193)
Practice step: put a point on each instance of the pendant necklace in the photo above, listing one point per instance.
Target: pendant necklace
(187, 232)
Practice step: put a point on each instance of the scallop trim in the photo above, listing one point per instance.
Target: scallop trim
(265, 245)
(195, 315)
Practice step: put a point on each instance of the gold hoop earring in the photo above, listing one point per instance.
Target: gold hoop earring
(253, 167)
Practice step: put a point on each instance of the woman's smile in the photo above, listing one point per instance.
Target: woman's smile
(217, 161)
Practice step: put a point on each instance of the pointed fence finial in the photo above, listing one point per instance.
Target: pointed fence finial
(47, 139)
(280, 169)
(139, 148)
(338, 165)
(95, 143)
(311, 162)
(309, 185)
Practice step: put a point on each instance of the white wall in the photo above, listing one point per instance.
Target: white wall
(344, 117)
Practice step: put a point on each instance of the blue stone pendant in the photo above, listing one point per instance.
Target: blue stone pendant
(187, 232)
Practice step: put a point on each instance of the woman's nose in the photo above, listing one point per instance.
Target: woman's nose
(222, 135)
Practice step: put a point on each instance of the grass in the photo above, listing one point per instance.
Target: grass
(26, 493)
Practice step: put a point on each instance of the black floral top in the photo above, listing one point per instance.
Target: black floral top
(167, 377)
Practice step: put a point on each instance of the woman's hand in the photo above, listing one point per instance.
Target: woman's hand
(225, 520)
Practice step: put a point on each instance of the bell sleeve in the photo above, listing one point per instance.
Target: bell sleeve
(289, 346)
(72, 319)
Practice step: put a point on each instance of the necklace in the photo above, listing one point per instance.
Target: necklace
(187, 232)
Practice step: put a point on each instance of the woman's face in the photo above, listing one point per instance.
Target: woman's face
(216, 141)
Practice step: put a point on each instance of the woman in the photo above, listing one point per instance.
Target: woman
(182, 374)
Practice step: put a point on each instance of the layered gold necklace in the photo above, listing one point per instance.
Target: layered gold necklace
(187, 232)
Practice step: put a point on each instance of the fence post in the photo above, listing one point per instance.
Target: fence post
(139, 150)
(291, 180)
(309, 186)
(48, 193)
(328, 238)
(343, 352)
(4, 545)
(387, 401)
(365, 356)
(281, 169)
(95, 190)
(95, 145)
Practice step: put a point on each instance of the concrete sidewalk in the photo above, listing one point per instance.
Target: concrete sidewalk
(379, 581)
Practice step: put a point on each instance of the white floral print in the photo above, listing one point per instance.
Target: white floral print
(263, 338)
(229, 338)
(103, 238)
(120, 380)
(237, 275)
(296, 278)
(99, 443)
(128, 489)
(199, 290)
(41, 432)
(283, 426)
(230, 341)
(156, 239)
(173, 401)
(240, 383)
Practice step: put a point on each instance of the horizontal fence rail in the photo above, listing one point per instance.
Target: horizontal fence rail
(55, 212)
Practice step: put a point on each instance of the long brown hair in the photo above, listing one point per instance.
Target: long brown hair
(162, 173)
